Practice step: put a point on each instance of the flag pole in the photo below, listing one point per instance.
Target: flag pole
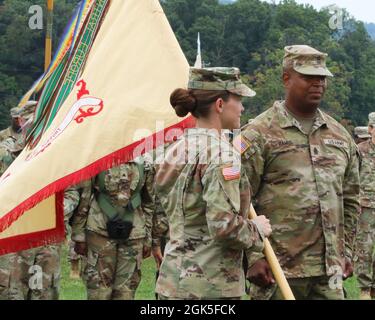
(278, 273)
(48, 46)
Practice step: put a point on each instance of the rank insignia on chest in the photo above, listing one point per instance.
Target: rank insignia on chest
(231, 173)
(240, 144)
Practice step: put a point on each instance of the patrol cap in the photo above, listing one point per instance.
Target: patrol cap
(221, 78)
(361, 132)
(14, 112)
(25, 112)
(306, 60)
(371, 119)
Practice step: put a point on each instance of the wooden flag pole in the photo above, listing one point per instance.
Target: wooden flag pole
(48, 47)
(278, 273)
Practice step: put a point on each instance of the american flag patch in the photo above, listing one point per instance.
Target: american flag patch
(240, 144)
(231, 173)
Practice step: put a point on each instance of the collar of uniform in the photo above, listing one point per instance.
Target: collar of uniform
(203, 131)
(320, 120)
(286, 120)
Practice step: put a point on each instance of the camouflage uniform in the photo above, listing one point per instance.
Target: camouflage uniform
(160, 226)
(28, 283)
(9, 133)
(113, 270)
(17, 266)
(208, 223)
(307, 184)
(365, 264)
(71, 202)
(206, 198)
(26, 113)
(6, 261)
(25, 264)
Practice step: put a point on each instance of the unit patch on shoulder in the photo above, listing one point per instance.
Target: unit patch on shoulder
(231, 173)
(241, 144)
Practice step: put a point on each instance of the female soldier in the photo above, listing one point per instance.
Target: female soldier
(205, 195)
(112, 226)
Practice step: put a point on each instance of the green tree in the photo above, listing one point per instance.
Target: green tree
(22, 49)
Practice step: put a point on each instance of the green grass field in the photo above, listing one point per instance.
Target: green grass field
(75, 289)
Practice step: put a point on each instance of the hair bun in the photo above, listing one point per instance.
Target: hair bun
(183, 102)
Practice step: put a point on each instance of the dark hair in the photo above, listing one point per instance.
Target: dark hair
(195, 101)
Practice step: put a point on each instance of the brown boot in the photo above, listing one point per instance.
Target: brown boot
(365, 294)
(74, 270)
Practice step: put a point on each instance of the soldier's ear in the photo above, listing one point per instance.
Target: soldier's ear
(219, 105)
(286, 78)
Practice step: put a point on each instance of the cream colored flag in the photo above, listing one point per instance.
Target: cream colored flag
(121, 97)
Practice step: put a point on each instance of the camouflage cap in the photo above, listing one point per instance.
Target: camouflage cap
(371, 119)
(14, 112)
(25, 112)
(361, 132)
(227, 79)
(306, 60)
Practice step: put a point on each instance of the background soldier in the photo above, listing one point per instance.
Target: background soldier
(15, 129)
(6, 261)
(303, 169)
(10, 147)
(29, 263)
(112, 226)
(361, 134)
(365, 246)
(71, 202)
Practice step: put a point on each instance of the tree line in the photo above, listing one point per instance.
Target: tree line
(249, 34)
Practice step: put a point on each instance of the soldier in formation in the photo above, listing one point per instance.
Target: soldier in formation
(205, 195)
(298, 165)
(303, 169)
(365, 243)
(112, 227)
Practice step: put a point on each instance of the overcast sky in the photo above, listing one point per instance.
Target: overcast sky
(361, 9)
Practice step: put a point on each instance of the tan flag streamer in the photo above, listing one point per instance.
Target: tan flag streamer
(120, 103)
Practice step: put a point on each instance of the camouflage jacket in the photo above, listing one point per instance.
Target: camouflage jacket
(9, 133)
(6, 155)
(367, 173)
(71, 199)
(208, 225)
(307, 185)
(120, 182)
(160, 226)
(6, 159)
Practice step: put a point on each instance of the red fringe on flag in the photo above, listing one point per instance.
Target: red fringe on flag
(57, 235)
